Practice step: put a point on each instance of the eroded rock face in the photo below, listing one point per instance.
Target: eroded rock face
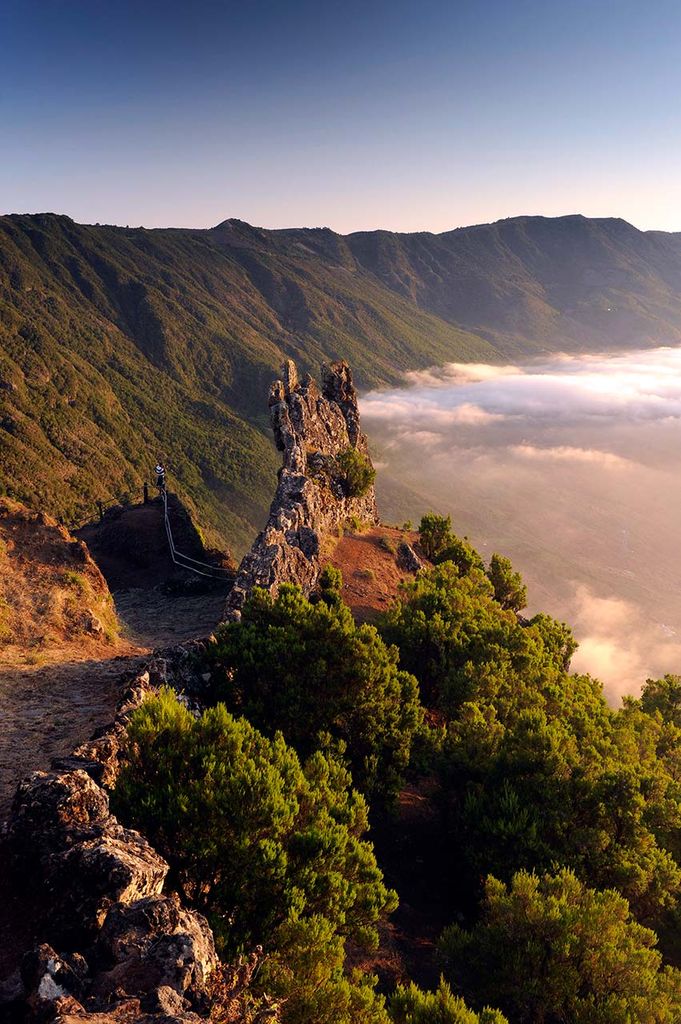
(311, 427)
(80, 855)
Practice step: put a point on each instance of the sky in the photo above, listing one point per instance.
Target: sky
(567, 465)
(355, 115)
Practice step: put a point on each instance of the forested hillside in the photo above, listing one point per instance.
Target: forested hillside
(524, 841)
(122, 345)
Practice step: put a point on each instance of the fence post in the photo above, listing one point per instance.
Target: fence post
(146, 493)
(101, 510)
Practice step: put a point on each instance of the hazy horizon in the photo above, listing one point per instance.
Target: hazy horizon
(322, 227)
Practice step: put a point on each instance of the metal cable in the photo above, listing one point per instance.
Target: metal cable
(214, 570)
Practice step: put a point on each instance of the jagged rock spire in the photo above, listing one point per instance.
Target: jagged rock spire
(311, 427)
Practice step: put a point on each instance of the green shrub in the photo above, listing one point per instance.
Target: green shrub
(447, 626)
(461, 553)
(509, 589)
(387, 544)
(410, 1005)
(550, 949)
(439, 544)
(270, 849)
(355, 470)
(331, 677)
(435, 534)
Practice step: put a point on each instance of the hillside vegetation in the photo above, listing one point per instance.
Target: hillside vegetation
(122, 345)
(542, 875)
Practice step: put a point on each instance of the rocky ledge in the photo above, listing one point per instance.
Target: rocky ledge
(311, 427)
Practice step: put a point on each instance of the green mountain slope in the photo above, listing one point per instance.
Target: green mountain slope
(119, 346)
(535, 283)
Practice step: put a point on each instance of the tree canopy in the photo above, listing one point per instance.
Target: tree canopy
(305, 667)
(550, 950)
(270, 849)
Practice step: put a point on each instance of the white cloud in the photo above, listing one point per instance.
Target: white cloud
(617, 645)
(572, 467)
(566, 453)
(443, 376)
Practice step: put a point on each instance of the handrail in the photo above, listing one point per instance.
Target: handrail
(214, 570)
(178, 557)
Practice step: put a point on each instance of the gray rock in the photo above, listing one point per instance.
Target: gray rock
(311, 427)
(407, 559)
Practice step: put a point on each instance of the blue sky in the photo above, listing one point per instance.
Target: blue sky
(403, 115)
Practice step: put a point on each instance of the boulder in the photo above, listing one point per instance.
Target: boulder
(153, 946)
(407, 559)
(86, 879)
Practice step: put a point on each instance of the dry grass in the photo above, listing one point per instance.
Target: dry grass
(51, 592)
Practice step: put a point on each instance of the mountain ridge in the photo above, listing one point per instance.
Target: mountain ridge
(119, 346)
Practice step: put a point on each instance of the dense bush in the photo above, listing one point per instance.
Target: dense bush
(439, 545)
(306, 668)
(452, 633)
(551, 950)
(535, 769)
(410, 1005)
(462, 554)
(435, 533)
(509, 589)
(271, 850)
(355, 470)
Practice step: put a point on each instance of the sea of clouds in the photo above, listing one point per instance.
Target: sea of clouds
(571, 465)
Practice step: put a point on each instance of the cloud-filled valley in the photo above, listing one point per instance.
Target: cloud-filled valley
(570, 465)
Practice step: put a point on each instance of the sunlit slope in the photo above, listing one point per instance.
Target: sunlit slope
(119, 346)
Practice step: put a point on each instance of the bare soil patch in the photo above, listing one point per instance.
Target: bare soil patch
(371, 575)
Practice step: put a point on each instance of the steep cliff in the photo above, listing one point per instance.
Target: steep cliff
(315, 430)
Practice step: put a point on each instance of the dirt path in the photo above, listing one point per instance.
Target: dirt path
(47, 710)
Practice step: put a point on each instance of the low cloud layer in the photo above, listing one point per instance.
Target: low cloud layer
(572, 466)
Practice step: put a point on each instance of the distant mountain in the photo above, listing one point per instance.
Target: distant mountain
(119, 346)
(528, 283)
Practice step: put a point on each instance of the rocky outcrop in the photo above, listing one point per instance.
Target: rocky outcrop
(312, 427)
